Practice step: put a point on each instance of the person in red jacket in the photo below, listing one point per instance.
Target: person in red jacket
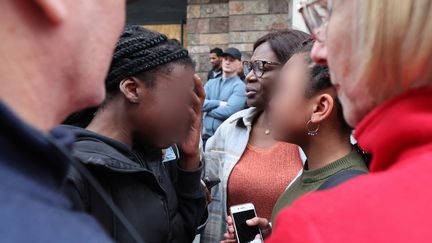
(380, 57)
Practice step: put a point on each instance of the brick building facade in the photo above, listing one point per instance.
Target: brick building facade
(204, 24)
(232, 23)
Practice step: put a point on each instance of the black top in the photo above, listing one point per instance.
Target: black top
(32, 171)
(211, 74)
(162, 201)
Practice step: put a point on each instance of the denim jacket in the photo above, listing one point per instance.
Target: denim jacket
(232, 92)
(222, 153)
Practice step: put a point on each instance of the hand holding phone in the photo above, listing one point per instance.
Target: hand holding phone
(262, 223)
(245, 233)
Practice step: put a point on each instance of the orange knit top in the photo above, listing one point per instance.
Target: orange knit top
(261, 176)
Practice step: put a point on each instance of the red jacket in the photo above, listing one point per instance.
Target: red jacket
(391, 204)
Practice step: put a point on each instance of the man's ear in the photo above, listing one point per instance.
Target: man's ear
(54, 10)
(324, 105)
(130, 89)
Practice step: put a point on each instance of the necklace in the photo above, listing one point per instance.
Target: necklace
(267, 131)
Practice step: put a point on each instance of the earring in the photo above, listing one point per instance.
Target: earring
(312, 132)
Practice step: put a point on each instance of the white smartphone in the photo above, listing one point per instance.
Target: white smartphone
(244, 233)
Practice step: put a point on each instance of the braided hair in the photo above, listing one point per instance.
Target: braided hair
(139, 53)
(143, 53)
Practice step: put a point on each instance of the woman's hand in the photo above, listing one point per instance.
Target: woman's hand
(230, 235)
(189, 148)
(262, 223)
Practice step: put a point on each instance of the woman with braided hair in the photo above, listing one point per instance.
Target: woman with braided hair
(153, 101)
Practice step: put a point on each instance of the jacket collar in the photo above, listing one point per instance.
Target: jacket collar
(397, 126)
(244, 118)
(95, 149)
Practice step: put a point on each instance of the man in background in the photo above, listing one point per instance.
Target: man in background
(216, 62)
(224, 95)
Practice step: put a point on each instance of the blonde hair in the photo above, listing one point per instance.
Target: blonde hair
(393, 44)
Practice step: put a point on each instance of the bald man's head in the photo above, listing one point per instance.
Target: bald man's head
(56, 53)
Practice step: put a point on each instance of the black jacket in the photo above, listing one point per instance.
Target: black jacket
(163, 202)
(210, 74)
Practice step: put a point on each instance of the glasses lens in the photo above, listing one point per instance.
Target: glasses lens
(316, 15)
(259, 68)
(247, 68)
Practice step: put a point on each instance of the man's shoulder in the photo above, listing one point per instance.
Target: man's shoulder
(239, 83)
(33, 222)
(238, 80)
(212, 81)
(32, 213)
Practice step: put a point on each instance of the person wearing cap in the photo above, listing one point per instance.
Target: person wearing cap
(224, 95)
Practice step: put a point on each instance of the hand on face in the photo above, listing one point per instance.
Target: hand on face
(189, 147)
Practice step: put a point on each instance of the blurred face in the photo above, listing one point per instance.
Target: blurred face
(290, 109)
(230, 65)
(162, 116)
(215, 61)
(259, 89)
(337, 52)
(92, 31)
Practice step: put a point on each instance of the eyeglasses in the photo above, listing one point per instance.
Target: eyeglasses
(316, 14)
(258, 67)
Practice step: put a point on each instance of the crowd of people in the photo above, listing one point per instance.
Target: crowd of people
(108, 135)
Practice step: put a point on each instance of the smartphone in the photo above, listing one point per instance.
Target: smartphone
(244, 233)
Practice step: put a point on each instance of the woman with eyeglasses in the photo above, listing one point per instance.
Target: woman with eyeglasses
(252, 166)
(383, 78)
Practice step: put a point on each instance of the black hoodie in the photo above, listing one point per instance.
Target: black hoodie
(162, 201)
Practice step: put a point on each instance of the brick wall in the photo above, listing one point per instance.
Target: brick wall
(231, 23)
